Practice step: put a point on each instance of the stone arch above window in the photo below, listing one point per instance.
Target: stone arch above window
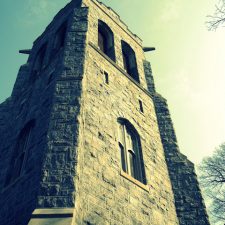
(130, 151)
(106, 40)
(129, 61)
(20, 153)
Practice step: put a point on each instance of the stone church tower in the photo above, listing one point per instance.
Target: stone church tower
(85, 138)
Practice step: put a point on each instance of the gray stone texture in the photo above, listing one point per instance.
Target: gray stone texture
(189, 203)
(74, 159)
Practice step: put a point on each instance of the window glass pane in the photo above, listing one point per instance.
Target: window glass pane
(20, 163)
(129, 61)
(101, 41)
(60, 37)
(27, 138)
(17, 167)
(106, 40)
(129, 140)
(125, 63)
(132, 163)
(130, 151)
(123, 159)
(39, 62)
(121, 134)
(21, 144)
(23, 141)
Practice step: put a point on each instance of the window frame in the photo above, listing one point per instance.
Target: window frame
(39, 62)
(60, 37)
(106, 42)
(127, 131)
(21, 149)
(101, 41)
(129, 61)
(126, 65)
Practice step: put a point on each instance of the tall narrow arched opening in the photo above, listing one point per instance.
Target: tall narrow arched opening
(20, 153)
(106, 40)
(130, 151)
(129, 61)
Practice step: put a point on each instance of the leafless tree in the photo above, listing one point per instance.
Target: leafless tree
(212, 180)
(218, 18)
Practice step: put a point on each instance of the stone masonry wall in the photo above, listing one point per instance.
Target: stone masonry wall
(18, 199)
(105, 195)
(189, 203)
(74, 158)
(58, 180)
(101, 12)
(149, 77)
(41, 98)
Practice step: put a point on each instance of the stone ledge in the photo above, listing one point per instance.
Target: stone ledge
(121, 70)
(55, 211)
(60, 216)
(134, 181)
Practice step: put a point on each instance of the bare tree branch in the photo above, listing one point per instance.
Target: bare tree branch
(218, 18)
(212, 180)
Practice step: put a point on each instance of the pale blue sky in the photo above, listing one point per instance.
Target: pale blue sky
(188, 63)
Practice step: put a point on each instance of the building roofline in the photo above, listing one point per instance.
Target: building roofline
(135, 37)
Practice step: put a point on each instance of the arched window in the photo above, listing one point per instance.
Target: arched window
(129, 61)
(130, 151)
(60, 37)
(106, 40)
(39, 60)
(59, 40)
(20, 153)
